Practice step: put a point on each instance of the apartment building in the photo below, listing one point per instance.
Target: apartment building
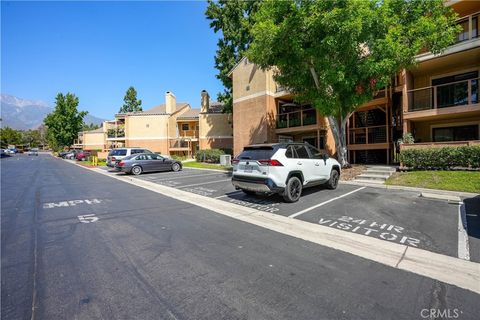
(437, 102)
(172, 128)
(264, 112)
(91, 140)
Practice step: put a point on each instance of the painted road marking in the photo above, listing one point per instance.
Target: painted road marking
(463, 245)
(201, 191)
(70, 203)
(383, 231)
(88, 218)
(259, 204)
(324, 203)
(203, 183)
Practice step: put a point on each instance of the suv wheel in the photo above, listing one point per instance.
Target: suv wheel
(293, 190)
(333, 181)
(136, 170)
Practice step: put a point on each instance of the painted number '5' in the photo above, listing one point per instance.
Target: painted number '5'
(88, 218)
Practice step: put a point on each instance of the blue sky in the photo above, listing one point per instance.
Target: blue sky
(98, 49)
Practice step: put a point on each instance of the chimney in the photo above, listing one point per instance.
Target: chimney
(205, 104)
(170, 102)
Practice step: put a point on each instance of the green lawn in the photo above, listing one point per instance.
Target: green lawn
(203, 165)
(466, 181)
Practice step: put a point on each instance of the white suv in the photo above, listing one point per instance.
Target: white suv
(284, 168)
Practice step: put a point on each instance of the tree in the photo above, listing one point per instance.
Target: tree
(233, 19)
(31, 138)
(64, 122)
(10, 136)
(336, 54)
(91, 126)
(131, 103)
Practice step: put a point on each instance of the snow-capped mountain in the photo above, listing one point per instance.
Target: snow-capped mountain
(22, 114)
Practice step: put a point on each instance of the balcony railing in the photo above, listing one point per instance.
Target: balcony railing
(368, 135)
(188, 133)
(470, 25)
(116, 133)
(459, 93)
(179, 144)
(296, 119)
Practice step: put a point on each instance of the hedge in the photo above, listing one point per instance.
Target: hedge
(211, 155)
(441, 158)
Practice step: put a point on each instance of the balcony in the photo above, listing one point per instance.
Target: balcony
(368, 135)
(118, 133)
(296, 119)
(454, 94)
(179, 144)
(188, 134)
(469, 26)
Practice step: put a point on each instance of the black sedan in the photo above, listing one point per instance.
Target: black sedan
(147, 162)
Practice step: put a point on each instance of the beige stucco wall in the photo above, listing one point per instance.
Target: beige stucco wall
(215, 125)
(144, 127)
(155, 145)
(216, 143)
(93, 140)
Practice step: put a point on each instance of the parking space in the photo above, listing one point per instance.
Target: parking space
(391, 215)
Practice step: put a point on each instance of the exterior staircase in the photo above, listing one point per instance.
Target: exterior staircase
(375, 174)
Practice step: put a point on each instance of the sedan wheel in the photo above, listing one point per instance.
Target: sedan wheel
(136, 170)
(176, 167)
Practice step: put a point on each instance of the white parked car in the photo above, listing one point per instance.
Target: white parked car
(283, 168)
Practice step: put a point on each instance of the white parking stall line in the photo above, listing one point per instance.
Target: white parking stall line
(463, 245)
(201, 184)
(324, 203)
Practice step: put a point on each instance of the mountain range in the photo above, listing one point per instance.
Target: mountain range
(23, 114)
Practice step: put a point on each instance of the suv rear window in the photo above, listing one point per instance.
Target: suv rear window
(118, 152)
(262, 153)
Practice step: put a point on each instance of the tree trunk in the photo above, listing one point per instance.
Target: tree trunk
(338, 127)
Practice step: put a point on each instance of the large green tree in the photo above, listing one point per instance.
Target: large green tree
(336, 54)
(31, 138)
(65, 121)
(131, 103)
(10, 136)
(233, 19)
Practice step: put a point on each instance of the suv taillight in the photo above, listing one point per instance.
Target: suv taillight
(272, 163)
(113, 159)
(235, 161)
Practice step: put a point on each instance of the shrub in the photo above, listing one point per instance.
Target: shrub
(441, 158)
(177, 157)
(211, 155)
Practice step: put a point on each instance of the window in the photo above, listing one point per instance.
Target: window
(185, 126)
(301, 152)
(453, 90)
(463, 35)
(316, 154)
(290, 153)
(118, 152)
(135, 151)
(141, 157)
(460, 133)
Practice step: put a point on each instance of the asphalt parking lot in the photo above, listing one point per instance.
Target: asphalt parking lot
(390, 215)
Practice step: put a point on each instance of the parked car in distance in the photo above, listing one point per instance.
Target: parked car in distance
(3, 153)
(71, 154)
(33, 152)
(82, 155)
(147, 162)
(283, 168)
(63, 154)
(118, 154)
